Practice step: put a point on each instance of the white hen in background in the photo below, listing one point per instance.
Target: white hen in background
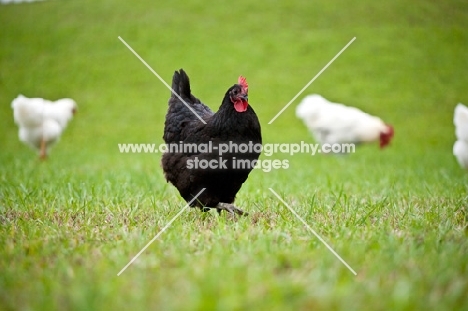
(460, 148)
(333, 123)
(40, 121)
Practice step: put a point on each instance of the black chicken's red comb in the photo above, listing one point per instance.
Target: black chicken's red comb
(243, 82)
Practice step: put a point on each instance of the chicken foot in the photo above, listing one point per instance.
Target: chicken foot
(230, 208)
(42, 153)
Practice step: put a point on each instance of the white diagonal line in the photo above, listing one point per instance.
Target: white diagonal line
(315, 233)
(313, 79)
(161, 79)
(160, 232)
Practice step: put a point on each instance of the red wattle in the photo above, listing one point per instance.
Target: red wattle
(241, 106)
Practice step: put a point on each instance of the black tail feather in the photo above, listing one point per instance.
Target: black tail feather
(175, 84)
(181, 84)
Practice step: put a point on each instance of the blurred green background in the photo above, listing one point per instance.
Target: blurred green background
(407, 64)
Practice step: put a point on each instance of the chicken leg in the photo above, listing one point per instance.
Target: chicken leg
(230, 208)
(42, 152)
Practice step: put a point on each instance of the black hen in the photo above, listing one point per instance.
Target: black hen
(234, 125)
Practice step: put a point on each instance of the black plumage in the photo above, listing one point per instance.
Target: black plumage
(234, 124)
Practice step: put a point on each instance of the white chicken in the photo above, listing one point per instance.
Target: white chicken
(460, 148)
(40, 121)
(16, 1)
(333, 123)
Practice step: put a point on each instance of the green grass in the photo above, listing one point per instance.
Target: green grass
(398, 217)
